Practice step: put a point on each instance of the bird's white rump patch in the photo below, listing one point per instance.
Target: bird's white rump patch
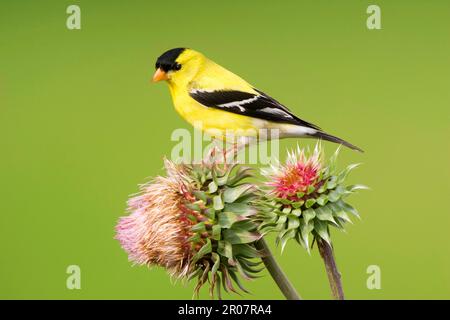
(277, 112)
(291, 130)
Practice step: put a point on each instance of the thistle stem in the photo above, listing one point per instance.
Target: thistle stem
(334, 277)
(275, 271)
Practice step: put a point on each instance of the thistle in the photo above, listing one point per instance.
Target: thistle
(195, 222)
(306, 198)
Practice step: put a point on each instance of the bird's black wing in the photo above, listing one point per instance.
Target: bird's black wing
(259, 105)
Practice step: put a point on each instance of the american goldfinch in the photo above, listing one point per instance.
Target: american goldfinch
(214, 100)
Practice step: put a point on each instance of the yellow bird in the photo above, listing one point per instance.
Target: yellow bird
(217, 101)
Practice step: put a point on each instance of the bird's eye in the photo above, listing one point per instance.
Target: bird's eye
(177, 66)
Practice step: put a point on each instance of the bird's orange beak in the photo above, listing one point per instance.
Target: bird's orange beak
(159, 75)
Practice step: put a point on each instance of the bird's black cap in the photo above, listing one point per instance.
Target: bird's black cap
(167, 61)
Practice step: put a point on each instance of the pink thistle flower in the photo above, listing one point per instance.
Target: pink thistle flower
(296, 176)
(156, 232)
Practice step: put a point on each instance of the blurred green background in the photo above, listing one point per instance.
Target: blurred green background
(81, 126)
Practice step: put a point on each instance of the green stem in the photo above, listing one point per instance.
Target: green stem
(334, 277)
(275, 271)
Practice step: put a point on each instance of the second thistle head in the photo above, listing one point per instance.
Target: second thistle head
(306, 196)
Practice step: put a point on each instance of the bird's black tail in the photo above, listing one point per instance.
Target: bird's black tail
(329, 137)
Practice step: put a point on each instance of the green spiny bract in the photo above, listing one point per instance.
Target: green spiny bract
(222, 233)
